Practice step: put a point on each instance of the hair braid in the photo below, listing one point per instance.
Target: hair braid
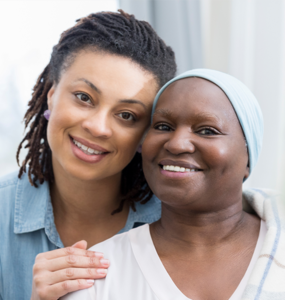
(115, 33)
(38, 151)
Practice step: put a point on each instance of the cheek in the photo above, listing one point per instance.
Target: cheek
(226, 158)
(127, 142)
(151, 147)
(62, 117)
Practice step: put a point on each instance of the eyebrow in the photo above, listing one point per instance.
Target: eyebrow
(199, 117)
(164, 112)
(132, 101)
(210, 117)
(93, 87)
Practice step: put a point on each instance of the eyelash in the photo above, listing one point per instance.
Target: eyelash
(162, 125)
(126, 112)
(213, 131)
(84, 94)
(89, 99)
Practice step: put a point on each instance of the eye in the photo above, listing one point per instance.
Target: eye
(83, 97)
(207, 131)
(162, 127)
(126, 116)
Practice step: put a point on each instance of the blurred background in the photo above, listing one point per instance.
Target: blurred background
(245, 38)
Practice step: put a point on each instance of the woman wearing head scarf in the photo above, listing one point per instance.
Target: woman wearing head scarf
(204, 142)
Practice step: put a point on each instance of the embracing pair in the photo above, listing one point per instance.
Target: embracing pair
(108, 128)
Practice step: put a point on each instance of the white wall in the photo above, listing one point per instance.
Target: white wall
(246, 38)
(28, 31)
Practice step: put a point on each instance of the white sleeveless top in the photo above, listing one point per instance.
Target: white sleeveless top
(136, 271)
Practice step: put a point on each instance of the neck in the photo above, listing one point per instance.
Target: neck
(188, 228)
(82, 209)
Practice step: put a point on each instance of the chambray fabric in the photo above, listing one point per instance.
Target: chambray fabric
(243, 101)
(27, 228)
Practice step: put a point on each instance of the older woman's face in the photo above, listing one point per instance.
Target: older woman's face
(195, 153)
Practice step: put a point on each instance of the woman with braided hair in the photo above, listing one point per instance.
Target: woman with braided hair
(82, 176)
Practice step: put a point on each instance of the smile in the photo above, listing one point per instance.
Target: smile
(172, 168)
(85, 149)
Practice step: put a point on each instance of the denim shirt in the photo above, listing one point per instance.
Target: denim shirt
(27, 228)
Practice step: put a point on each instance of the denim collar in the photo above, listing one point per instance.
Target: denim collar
(33, 211)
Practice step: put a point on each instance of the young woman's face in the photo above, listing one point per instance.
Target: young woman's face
(100, 110)
(195, 131)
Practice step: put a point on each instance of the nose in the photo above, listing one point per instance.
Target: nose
(180, 142)
(98, 124)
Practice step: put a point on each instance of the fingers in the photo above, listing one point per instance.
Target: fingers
(65, 270)
(67, 251)
(81, 245)
(76, 273)
(62, 288)
(75, 261)
(71, 285)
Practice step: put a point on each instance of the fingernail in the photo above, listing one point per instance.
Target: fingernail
(98, 254)
(90, 281)
(104, 262)
(102, 271)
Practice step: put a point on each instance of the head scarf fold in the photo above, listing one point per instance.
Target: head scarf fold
(243, 101)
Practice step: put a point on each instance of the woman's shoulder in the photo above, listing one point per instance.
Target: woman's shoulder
(18, 197)
(119, 245)
(8, 180)
(8, 188)
(8, 193)
(118, 242)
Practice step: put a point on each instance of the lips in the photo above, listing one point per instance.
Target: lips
(89, 145)
(86, 151)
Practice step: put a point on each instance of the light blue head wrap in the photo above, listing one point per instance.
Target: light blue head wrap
(243, 101)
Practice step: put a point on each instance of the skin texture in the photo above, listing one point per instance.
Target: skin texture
(204, 237)
(105, 100)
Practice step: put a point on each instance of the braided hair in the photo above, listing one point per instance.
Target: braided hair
(115, 33)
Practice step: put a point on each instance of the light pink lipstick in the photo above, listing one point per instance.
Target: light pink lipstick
(80, 154)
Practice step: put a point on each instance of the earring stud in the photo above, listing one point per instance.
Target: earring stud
(47, 114)
(139, 149)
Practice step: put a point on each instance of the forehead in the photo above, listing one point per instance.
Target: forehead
(115, 76)
(192, 96)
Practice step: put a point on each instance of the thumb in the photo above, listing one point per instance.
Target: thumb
(81, 245)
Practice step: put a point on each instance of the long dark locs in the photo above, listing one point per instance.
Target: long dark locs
(115, 33)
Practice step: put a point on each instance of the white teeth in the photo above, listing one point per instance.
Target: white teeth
(178, 169)
(85, 149)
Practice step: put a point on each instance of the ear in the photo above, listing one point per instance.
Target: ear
(50, 97)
